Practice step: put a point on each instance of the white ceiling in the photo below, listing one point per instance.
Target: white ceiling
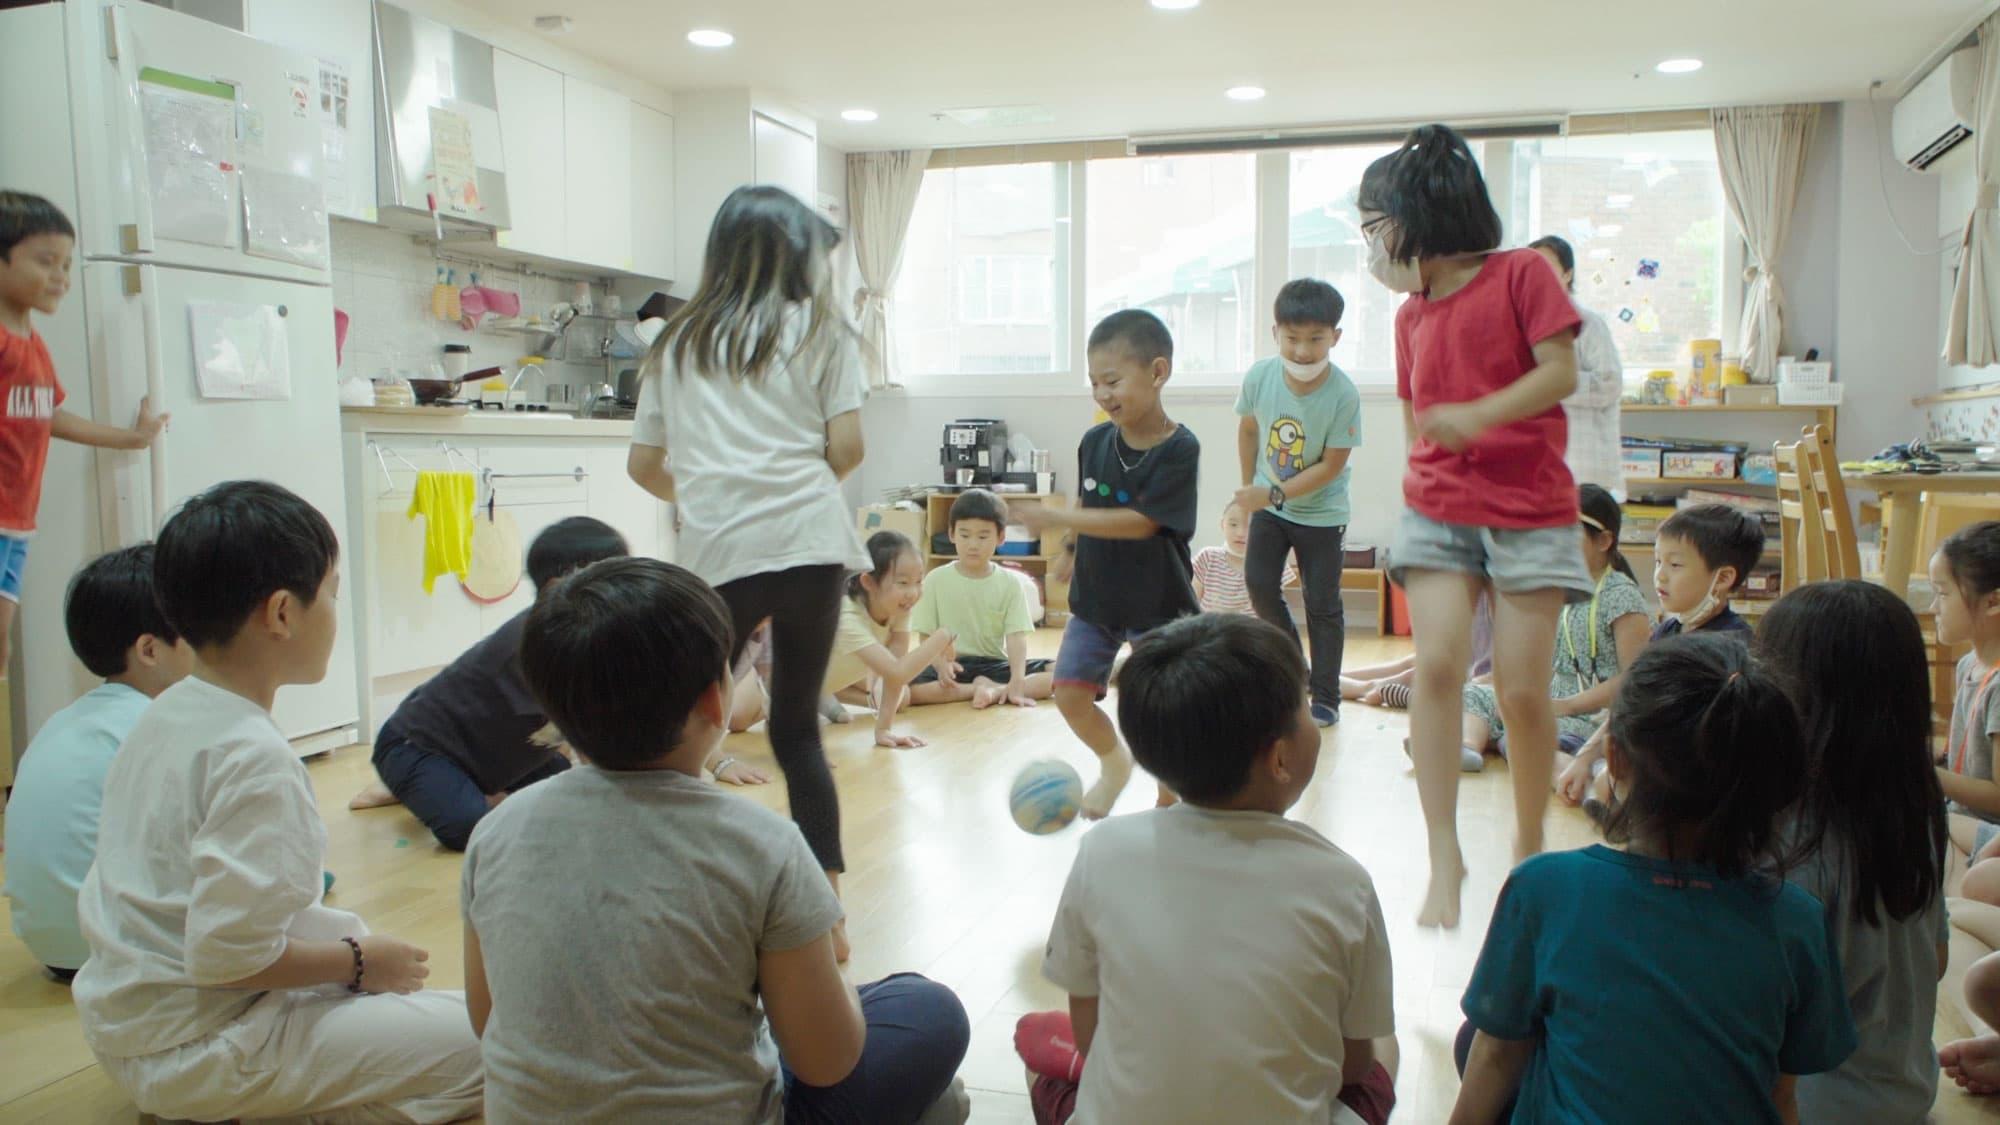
(1112, 68)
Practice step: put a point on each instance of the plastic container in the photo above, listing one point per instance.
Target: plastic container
(1733, 374)
(1704, 370)
(1803, 383)
(457, 360)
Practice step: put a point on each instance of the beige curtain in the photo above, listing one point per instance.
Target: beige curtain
(1972, 336)
(1762, 153)
(881, 196)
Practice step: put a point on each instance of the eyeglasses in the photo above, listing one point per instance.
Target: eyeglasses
(1369, 227)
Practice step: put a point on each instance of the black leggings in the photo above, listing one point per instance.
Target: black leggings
(803, 604)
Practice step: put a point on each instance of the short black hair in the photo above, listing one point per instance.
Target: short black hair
(1565, 256)
(1308, 300)
(229, 549)
(570, 545)
(977, 504)
(1722, 534)
(1434, 196)
(1142, 333)
(1972, 555)
(1711, 752)
(23, 216)
(1201, 697)
(109, 606)
(615, 624)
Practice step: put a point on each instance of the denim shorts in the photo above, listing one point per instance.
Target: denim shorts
(13, 561)
(1514, 560)
(1088, 651)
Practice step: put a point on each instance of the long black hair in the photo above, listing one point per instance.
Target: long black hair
(1854, 656)
(1708, 752)
(1602, 515)
(1434, 196)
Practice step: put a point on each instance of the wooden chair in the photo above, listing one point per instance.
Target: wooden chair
(1802, 555)
(1821, 469)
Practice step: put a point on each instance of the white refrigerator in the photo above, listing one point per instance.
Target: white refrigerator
(189, 156)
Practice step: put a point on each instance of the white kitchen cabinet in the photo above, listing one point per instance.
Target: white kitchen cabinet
(652, 193)
(644, 521)
(340, 33)
(409, 628)
(532, 127)
(787, 158)
(531, 520)
(597, 168)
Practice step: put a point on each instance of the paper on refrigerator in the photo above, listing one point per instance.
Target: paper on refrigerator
(284, 217)
(190, 126)
(240, 351)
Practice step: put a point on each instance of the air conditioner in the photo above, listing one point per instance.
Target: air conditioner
(1935, 116)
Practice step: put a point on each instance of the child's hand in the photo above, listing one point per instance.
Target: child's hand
(737, 773)
(1453, 425)
(884, 736)
(1252, 498)
(1017, 696)
(149, 425)
(1573, 784)
(392, 965)
(1062, 567)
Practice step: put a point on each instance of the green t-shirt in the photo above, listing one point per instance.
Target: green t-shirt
(983, 612)
(1297, 432)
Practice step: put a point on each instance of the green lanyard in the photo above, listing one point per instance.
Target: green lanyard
(1569, 636)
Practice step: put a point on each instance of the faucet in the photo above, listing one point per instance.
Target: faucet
(528, 363)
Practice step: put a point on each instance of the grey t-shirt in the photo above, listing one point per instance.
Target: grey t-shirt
(620, 915)
(1891, 972)
(1975, 719)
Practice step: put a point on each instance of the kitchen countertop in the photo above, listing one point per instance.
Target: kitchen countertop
(484, 423)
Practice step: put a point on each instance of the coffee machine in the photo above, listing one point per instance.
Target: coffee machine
(974, 451)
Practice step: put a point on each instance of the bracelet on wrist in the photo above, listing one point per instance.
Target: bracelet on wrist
(360, 965)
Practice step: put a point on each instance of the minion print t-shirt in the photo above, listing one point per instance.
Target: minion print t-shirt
(1297, 431)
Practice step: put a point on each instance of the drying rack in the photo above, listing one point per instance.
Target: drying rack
(461, 461)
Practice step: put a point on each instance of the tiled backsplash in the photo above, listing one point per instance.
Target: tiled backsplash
(382, 279)
(1974, 420)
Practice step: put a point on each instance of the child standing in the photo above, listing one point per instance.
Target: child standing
(709, 991)
(1872, 824)
(1218, 571)
(1484, 358)
(1294, 1024)
(872, 662)
(986, 609)
(1128, 538)
(116, 630)
(1300, 421)
(749, 417)
(36, 244)
(219, 985)
(1674, 980)
(1965, 572)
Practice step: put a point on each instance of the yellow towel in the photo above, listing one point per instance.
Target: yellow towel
(445, 501)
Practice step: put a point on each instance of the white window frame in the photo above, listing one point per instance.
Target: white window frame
(1036, 269)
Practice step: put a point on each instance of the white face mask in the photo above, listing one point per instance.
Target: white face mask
(1302, 370)
(1712, 603)
(1400, 276)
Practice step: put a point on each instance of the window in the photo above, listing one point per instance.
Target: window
(1177, 236)
(1006, 289)
(985, 265)
(1645, 214)
(1325, 242)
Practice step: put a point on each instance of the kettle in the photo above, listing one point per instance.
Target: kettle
(628, 387)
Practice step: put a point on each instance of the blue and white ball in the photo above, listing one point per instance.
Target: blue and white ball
(1046, 796)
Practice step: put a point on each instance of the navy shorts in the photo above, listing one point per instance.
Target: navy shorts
(1088, 651)
(972, 668)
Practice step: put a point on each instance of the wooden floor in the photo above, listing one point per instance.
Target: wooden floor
(940, 882)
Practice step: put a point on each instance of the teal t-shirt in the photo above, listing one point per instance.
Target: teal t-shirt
(1659, 992)
(52, 820)
(1297, 433)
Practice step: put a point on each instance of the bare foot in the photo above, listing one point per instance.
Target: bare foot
(1973, 1063)
(373, 795)
(1116, 770)
(841, 950)
(985, 693)
(1440, 909)
(1373, 696)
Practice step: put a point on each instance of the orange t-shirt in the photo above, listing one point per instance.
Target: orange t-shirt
(27, 413)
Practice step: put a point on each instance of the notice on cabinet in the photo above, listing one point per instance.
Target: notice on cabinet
(190, 126)
(457, 190)
(240, 351)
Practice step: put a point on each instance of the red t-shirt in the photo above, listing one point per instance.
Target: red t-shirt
(28, 410)
(1467, 346)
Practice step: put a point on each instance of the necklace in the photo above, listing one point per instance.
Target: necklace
(1118, 448)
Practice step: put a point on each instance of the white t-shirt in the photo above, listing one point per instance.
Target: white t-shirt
(210, 857)
(749, 460)
(1231, 953)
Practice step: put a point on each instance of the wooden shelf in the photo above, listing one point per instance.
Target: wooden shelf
(1693, 482)
(1742, 408)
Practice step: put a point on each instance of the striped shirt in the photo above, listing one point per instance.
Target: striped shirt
(1221, 576)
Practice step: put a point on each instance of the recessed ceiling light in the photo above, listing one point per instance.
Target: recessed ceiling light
(859, 116)
(1679, 66)
(710, 37)
(554, 25)
(1175, 5)
(1244, 93)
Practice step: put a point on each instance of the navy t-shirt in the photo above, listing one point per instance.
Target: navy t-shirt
(1728, 621)
(1136, 583)
(478, 712)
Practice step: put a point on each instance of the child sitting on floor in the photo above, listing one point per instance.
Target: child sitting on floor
(1965, 573)
(986, 609)
(1294, 1024)
(219, 986)
(116, 630)
(872, 661)
(707, 988)
(1218, 571)
(1674, 980)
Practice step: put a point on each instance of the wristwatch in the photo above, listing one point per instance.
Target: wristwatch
(1277, 497)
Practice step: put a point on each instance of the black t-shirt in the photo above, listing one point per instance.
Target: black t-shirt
(478, 712)
(1136, 583)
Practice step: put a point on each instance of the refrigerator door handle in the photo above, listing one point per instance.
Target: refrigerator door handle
(149, 321)
(135, 237)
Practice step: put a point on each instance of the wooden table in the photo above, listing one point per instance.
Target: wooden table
(1902, 500)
